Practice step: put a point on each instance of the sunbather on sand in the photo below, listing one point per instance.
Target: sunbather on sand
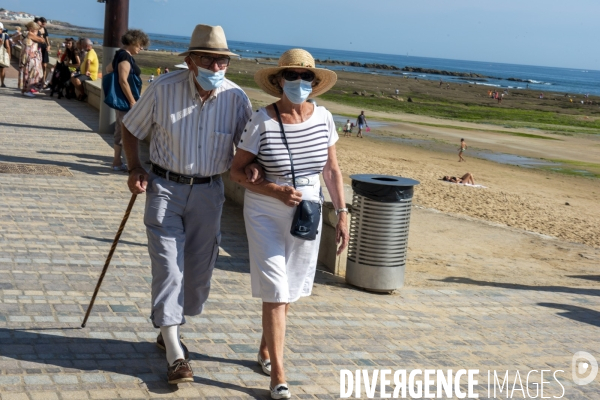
(466, 178)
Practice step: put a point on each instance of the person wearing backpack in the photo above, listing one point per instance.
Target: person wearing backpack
(124, 64)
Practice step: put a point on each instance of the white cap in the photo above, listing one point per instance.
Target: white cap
(1, 25)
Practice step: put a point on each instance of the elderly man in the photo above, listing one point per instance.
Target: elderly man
(89, 69)
(195, 116)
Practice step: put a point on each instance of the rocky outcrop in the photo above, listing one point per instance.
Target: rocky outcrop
(442, 72)
(360, 65)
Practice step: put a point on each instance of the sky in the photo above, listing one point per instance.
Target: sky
(555, 33)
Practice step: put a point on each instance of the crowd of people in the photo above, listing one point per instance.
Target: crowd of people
(76, 61)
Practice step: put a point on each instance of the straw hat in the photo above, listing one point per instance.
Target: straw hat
(209, 39)
(295, 58)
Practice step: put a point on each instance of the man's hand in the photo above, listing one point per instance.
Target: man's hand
(254, 173)
(87, 73)
(138, 180)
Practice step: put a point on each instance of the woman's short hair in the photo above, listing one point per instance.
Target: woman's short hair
(135, 36)
(42, 20)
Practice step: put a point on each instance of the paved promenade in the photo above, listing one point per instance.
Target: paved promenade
(57, 223)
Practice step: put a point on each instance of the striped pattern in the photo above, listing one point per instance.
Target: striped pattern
(190, 137)
(308, 142)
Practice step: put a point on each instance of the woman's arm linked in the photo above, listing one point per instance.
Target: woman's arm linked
(286, 194)
(332, 175)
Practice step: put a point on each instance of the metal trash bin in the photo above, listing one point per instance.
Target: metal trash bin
(381, 208)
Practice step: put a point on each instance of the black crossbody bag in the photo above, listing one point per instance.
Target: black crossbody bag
(307, 217)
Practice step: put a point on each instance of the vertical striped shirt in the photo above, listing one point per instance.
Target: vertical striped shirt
(190, 137)
(308, 142)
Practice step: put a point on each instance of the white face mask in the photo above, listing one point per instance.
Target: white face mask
(297, 91)
(209, 80)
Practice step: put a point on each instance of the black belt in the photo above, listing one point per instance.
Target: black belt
(185, 180)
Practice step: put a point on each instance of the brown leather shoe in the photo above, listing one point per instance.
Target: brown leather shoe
(180, 372)
(160, 343)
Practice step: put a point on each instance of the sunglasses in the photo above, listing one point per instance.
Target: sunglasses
(306, 76)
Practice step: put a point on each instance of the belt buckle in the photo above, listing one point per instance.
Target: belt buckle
(191, 181)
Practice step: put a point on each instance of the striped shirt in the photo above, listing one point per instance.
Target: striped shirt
(308, 141)
(190, 137)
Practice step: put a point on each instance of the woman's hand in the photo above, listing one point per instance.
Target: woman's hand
(289, 196)
(342, 236)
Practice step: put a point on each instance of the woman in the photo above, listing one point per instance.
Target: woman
(31, 61)
(123, 64)
(70, 57)
(465, 179)
(283, 266)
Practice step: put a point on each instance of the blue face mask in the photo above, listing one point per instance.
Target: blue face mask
(297, 91)
(209, 80)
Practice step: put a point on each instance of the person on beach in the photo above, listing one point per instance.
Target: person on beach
(291, 137)
(151, 79)
(463, 148)
(195, 108)
(361, 121)
(31, 61)
(348, 129)
(157, 71)
(89, 70)
(5, 43)
(123, 65)
(465, 179)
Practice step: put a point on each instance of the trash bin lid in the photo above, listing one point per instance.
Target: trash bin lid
(384, 180)
(383, 188)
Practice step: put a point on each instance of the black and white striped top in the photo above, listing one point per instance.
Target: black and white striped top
(308, 142)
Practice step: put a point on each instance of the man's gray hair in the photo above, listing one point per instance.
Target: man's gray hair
(87, 42)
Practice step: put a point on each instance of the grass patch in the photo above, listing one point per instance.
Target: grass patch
(462, 128)
(470, 113)
(578, 163)
(572, 172)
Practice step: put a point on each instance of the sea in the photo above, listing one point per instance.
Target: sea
(570, 81)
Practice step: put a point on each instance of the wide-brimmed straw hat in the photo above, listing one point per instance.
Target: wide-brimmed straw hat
(209, 39)
(295, 58)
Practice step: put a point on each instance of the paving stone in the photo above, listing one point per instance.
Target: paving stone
(54, 237)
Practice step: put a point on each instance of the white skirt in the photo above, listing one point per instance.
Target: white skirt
(282, 267)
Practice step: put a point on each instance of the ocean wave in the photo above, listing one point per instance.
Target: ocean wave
(487, 84)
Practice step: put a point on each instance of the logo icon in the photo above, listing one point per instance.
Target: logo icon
(584, 363)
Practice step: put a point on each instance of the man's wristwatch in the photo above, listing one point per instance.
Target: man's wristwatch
(341, 210)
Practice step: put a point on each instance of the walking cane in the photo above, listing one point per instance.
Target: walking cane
(110, 254)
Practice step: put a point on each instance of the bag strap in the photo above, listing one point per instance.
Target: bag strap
(285, 143)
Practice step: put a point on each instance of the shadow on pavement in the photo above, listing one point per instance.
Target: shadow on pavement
(44, 127)
(113, 239)
(142, 360)
(516, 286)
(576, 313)
(595, 278)
(85, 168)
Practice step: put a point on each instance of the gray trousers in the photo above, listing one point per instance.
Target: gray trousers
(183, 223)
